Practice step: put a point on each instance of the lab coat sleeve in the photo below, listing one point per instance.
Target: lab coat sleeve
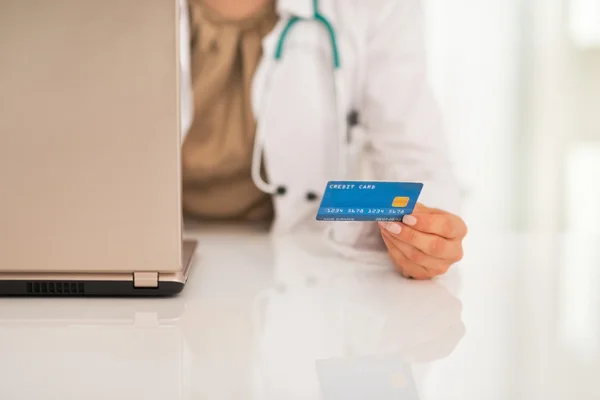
(401, 118)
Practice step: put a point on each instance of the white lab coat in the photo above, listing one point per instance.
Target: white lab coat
(385, 80)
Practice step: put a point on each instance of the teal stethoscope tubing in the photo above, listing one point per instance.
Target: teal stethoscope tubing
(317, 16)
(338, 86)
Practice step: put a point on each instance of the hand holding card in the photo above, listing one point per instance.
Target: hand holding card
(426, 243)
(422, 242)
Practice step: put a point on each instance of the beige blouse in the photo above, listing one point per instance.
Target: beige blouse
(217, 151)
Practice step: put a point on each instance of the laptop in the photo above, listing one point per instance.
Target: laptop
(90, 175)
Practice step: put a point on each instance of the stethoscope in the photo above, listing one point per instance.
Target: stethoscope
(341, 118)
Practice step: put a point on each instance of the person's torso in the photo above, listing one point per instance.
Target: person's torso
(293, 100)
(217, 152)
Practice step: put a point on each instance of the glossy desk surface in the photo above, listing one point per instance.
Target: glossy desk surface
(281, 318)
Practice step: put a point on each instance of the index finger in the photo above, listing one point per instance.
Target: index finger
(448, 226)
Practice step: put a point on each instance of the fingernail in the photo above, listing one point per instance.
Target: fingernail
(393, 227)
(409, 220)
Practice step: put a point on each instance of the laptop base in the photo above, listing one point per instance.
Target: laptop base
(88, 286)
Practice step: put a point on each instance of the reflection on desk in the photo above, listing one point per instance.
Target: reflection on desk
(266, 318)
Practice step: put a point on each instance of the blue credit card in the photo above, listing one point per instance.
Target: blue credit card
(368, 200)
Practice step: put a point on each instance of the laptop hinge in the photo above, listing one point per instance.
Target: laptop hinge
(145, 279)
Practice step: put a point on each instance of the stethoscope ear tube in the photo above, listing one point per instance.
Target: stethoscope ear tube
(259, 141)
(261, 133)
(341, 118)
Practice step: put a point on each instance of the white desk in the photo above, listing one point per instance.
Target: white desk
(275, 320)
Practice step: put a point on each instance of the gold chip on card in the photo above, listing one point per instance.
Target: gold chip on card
(400, 202)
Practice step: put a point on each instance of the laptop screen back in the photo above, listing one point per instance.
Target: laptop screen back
(89, 136)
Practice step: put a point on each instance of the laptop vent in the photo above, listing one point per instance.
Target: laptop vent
(55, 288)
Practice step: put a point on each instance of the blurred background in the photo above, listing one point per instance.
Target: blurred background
(519, 84)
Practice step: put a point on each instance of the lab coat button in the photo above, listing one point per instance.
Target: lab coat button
(311, 196)
(353, 118)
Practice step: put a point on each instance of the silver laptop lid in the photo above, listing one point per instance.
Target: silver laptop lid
(89, 136)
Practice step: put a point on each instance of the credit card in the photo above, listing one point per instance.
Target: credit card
(368, 200)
